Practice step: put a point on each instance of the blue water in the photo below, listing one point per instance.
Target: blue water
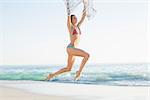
(111, 74)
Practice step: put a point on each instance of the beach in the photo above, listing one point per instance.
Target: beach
(40, 90)
(16, 94)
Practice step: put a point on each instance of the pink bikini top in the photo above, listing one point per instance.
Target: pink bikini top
(76, 31)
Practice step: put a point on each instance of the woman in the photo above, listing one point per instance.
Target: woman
(72, 51)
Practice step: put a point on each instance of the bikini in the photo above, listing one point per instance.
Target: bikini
(74, 32)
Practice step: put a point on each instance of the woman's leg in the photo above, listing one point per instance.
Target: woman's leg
(71, 53)
(70, 62)
(79, 52)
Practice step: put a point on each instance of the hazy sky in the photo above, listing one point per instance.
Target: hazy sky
(35, 32)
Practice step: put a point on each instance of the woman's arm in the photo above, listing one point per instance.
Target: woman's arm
(82, 19)
(69, 18)
(69, 24)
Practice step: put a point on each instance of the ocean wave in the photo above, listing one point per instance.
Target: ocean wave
(108, 75)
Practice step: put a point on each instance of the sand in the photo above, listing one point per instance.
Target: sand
(38, 90)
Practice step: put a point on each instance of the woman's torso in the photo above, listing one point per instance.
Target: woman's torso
(75, 31)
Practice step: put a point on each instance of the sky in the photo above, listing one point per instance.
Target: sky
(35, 32)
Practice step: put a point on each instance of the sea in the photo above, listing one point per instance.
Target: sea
(94, 74)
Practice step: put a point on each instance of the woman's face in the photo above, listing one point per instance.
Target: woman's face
(74, 19)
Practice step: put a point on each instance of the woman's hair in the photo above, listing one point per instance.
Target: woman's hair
(71, 17)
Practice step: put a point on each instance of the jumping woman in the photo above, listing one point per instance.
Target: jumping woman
(72, 50)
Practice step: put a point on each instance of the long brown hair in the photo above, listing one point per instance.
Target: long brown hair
(71, 17)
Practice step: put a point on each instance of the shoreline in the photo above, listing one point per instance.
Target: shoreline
(35, 90)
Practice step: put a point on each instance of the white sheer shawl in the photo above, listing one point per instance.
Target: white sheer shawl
(88, 4)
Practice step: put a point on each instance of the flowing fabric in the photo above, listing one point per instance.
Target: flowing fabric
(88, 4)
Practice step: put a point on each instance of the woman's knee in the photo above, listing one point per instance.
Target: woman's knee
(87, 55)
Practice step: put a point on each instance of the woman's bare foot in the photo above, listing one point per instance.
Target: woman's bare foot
(49, 77)
(77, 75)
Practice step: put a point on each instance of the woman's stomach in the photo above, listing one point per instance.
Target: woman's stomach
(75, 42)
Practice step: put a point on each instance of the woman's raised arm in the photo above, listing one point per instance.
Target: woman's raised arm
(69, 24)
(69, 19)
(82, 18)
